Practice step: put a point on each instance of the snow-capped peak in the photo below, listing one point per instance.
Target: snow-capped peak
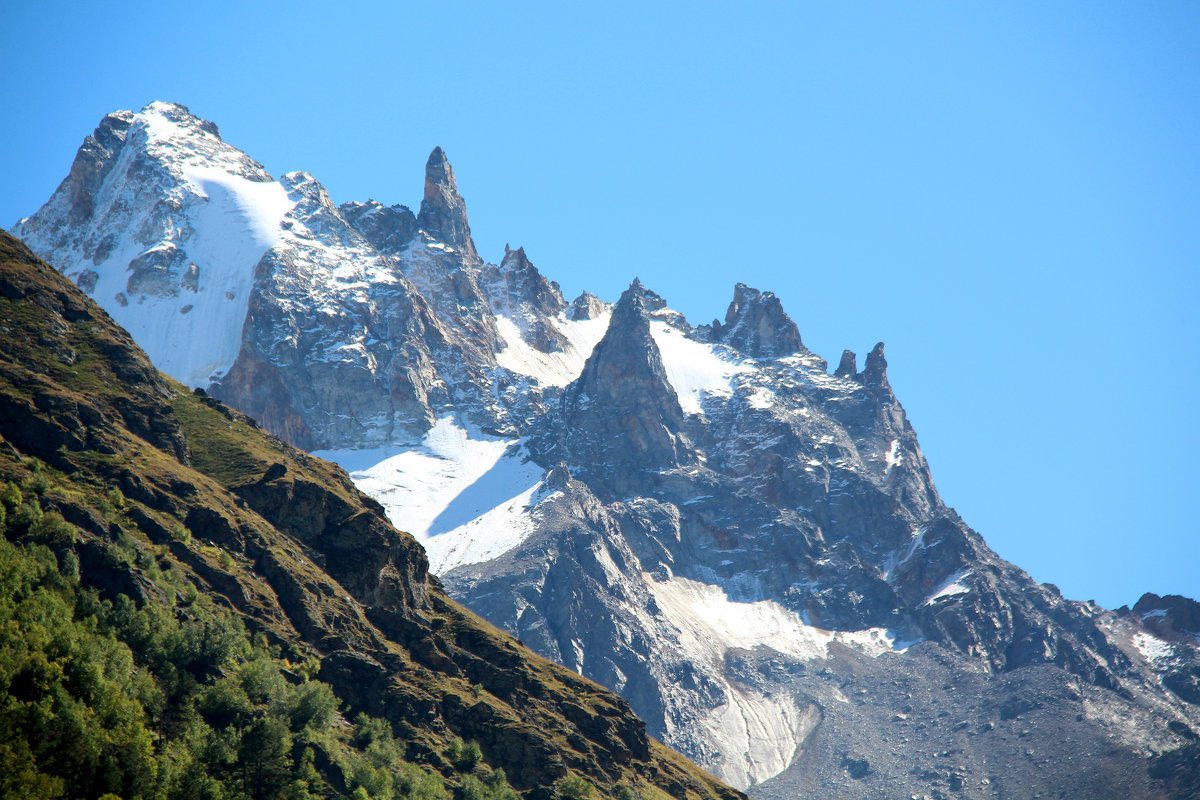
(163, 223)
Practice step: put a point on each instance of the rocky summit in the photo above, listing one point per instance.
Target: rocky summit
(748, 547)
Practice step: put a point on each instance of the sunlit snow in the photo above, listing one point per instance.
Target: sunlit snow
(228, 222)
(951, 586)
(707, 612)
(1153, 648)
(551, 369)
(464, 495)
(893, 457)
(696, 369)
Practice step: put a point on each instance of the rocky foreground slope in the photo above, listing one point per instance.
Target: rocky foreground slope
(165, 496)
(746, 545)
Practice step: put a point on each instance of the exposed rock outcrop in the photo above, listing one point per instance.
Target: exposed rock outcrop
(621, 419)
(757, 325)
(443, 210)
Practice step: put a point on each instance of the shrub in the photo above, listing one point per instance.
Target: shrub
(465, 755)
(626, 793)
(10, 495)
(181, 534)
(37, 483)
(573, 787)
(315, 706)
(116, 498)
(53, 529)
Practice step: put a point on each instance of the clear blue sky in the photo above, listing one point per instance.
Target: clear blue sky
(1008, 194)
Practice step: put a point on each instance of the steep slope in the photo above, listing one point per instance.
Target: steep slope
(749, 548)
(151, 479)
(790, 601)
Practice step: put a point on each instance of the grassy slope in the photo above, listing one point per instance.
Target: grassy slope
(285, 543)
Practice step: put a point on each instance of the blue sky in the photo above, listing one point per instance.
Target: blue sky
(1007, 194)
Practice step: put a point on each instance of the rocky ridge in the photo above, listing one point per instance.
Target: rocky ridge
(705, 519)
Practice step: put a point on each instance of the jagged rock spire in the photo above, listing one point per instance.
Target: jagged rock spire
(527, 286)
(757, 325)
(874, 374)
(848, 366)
(586, 306)
(623, 413)
(443, 210)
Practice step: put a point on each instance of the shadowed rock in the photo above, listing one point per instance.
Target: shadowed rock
(757, 325)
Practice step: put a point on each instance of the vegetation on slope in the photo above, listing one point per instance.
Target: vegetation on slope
(195, 609)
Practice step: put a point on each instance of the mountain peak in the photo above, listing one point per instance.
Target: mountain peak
(443, 210)
(586, 306)
(757, 325)
(848, 366)
(175, 115)
(517, 283)
(632, 305)
(875, 371)
(624, 415)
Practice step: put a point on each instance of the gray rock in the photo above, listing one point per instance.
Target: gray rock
(389, 229)
(443, 211)
(756, 324)
(621, 421)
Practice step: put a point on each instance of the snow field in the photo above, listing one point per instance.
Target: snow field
(225, 225)
(464, 495)
(696, 369)
(706, 612)
(550, 369)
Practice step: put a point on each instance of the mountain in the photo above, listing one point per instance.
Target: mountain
(143, 490)
(749, 547)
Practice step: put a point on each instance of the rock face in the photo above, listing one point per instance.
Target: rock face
(620, 420)
(388, 228)
(749, 548)
(756, 325)
(443, 211)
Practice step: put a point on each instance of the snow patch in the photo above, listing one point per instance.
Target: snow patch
(768, 729)
(695, 369)
(550, 369)
(706, 613)
(761, 398)
(893, 457)
(1154, 649)
(464, 495)
(951, 586)
(895, 559)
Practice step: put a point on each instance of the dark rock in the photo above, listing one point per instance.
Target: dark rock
(153, 271)
(757, 325)
(874, 374)
(586, 306)
(1179, 615)
(389, 229)
(94, 161)
(857, 768)
(623, 415)
(848, 366)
